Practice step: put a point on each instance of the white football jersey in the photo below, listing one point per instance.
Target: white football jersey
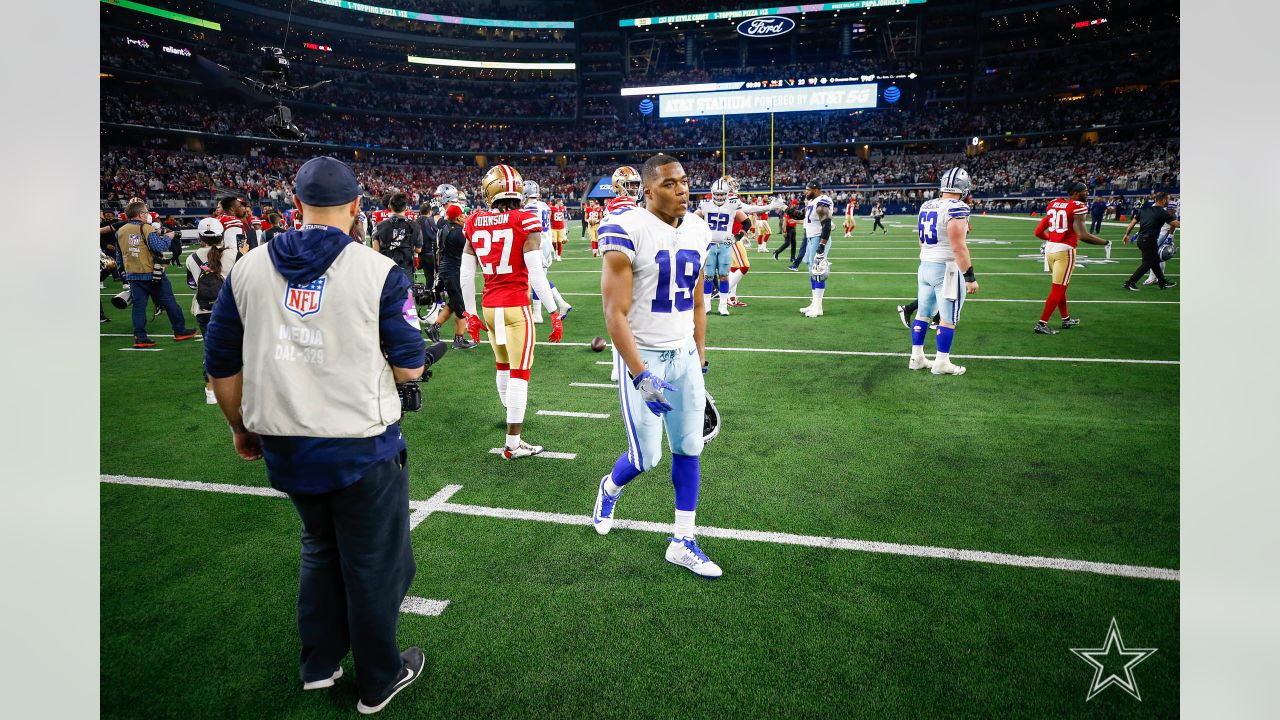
(720, 219)
(666, 267)
(931, 226)
(812, 223)
(1167, 230)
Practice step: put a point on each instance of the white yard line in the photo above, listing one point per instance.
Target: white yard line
(141, 349)
(863, 353)
(415, 605)
(606, 386)
(544, 454)
(567, 413)
(603, 362)
(422, 509)
(912, 273)
(436, 504)
(1036, 301)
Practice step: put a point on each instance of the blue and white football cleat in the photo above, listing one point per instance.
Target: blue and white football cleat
(602, 516)
(686, 553)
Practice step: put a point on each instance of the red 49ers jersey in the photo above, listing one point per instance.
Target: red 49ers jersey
(1061, 215)
(498, 240)
(620, 201)
(557, 217)
(379, 215)
(593, 214)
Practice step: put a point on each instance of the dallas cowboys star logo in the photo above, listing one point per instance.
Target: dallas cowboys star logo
(1097, 657)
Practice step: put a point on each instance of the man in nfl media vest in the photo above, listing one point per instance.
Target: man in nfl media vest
(307, 341)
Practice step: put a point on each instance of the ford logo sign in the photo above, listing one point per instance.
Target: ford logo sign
(767, 26)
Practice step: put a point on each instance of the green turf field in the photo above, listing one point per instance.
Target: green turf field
(1038, 451)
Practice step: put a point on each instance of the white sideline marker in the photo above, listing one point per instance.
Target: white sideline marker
(415, 605)
(603, 362)
(606, 386)
(438, 503)
(567, 413)
(544, 454)
(141, 349)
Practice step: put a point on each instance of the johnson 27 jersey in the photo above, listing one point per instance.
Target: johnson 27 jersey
(720, 219)
(666, 267)
(498, 240)
(931, 226)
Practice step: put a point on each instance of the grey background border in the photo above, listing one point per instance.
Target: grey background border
(1230, 484)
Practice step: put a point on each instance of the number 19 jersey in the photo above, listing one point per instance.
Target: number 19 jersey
(666, 266)
(498, 240)
(931, 226)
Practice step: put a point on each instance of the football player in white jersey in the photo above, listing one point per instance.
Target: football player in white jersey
(534, 204)
(721, 214)
(1164, 241)
(652, 258)
(818, 210)
(740, 264)
(946, 271)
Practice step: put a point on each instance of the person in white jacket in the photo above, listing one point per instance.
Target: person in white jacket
(207, 270)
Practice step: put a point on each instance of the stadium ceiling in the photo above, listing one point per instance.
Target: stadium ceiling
(779, 10)
(446, 19)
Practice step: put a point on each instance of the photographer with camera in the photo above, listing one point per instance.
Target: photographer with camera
(140, 249)
(307, 343)
(398, 237)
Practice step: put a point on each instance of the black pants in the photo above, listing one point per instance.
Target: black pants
(451, 282)
(427, 264)
(203, 321)
(788, 241)
(1095, 227)
(879, 224)
(1150, 263)
(356, 568)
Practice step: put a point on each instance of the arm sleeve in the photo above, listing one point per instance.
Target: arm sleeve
(467, 279)
(224, 340)
(538, 279)
(826, 229)
(401, 337)
(1042, 228)
(157, 242)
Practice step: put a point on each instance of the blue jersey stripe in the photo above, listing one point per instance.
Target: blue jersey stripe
(617, 241)
(614, 229)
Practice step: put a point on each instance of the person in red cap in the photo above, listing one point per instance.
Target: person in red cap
(790, 218)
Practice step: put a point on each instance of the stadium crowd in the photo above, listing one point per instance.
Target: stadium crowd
(190, 178)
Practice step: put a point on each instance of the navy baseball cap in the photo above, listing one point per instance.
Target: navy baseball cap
(1076, 187)
(325, 182)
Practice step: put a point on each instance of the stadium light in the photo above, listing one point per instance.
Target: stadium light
(167, 14)
(446, 19)
(781, 10)
(492, 64)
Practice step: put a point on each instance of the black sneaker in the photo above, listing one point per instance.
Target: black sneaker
(902, 315)
(462, 343)
(1168, 284)
(104, 319)
(414, 662)
(156, 313)
(1042, 328)
(433, 332)
(1069, 322)
(1131, 286)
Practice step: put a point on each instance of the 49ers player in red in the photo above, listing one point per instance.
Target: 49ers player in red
(1062, 227)
(505, 242)
(558, 213)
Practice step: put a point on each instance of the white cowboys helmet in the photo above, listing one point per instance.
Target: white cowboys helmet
(720, 192)
(956, 180)
(447, 193)
(710, 420)
(531, 190)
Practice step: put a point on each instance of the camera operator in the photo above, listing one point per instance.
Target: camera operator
(398, 237)
(108, 224)
(427, 226)
(310, 384)
(140, 249)
(452, 242)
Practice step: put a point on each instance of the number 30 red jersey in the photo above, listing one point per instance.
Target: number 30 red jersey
(1061, 215)
(498, 240)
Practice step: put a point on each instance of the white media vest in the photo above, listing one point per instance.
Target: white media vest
(313, 364)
